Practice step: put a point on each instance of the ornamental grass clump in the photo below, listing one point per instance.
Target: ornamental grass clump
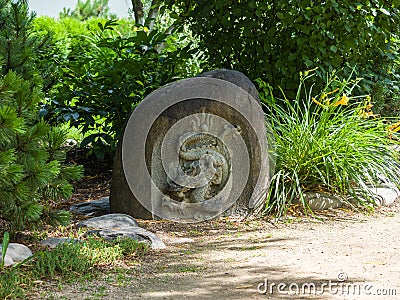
(327, 142)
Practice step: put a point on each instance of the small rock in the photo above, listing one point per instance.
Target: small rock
(113, 226)
(54, 242)
(93, 208)
(386, 194)
(8, 261)
(321, 201)
(111, 221)
(137, 233)
(15, 253)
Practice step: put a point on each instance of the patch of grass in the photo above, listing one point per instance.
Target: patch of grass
(68, 262)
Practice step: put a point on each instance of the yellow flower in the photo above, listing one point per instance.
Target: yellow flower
(331, 92)
(343, 101)
(395, 127)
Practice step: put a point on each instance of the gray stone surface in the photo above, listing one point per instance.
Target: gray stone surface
(386, 194)
(111, 221)
(234, 77)
(54, 242)
(93, 208)
(321, 201)
(230, 86)
(383, 195)
(15, 253)
(137, 233)
(115, 226)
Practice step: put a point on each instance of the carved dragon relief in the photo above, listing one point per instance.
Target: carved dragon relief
(199, 152)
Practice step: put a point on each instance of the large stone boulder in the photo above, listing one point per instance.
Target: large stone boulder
(193, 149)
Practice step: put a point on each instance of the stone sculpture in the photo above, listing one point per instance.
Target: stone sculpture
(193, 149)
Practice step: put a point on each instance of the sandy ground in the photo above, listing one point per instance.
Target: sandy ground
(348, 256)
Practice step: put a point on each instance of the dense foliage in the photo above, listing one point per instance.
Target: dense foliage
(105, 71)
(276, 40)
(90, 73)
(32, 174)
(327, 142)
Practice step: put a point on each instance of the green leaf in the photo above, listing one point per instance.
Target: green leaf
(386, 12)
(87, 140)
(330, 35)
(308, 63)
(280, 15)
(333, 48)
(252, 4)
(4, 247)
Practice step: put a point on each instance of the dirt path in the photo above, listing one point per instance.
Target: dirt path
(229, 260)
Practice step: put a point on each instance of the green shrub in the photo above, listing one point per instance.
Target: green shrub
(67, 38)
(326, 142)
(32, 172)
(102, 84)
(275, 40)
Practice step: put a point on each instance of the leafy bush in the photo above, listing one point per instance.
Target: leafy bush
(101, 85)
(329, 143)
(276, 40)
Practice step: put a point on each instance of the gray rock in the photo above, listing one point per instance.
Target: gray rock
(386, 194)
(111, 221)
(383, 195)
(321, 201)
(234, 77)
(140, 180)
(15, 253)
(136, 233)
(115, 226)
(8, 261)
(54, 242)
(93, 208)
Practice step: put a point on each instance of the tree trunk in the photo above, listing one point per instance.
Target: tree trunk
(153, 13)
(138, 11)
